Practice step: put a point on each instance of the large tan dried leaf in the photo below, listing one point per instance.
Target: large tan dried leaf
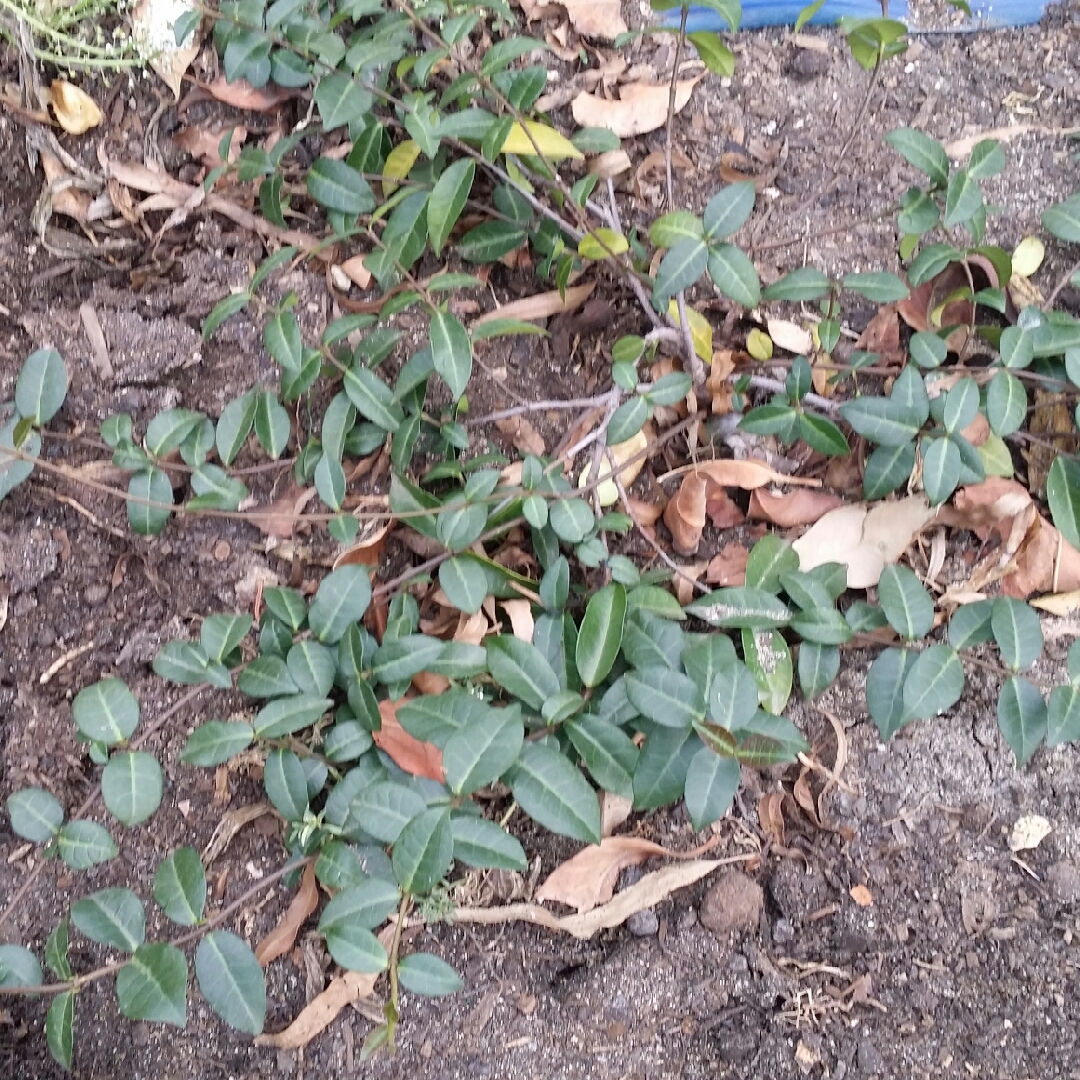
(684, 515)
(526, 439)
(747, 473)
(588, 879)
(368, 548)
(521, 618)
(242, 95)
(987, 506)
(355, 270)
(415, 757)
(76, 111)
(596, 18)
(541, 305)
(69, 201)
(645, 513)
(280, 940)
(866, 541)
(614, 810)
(723, 511)
(728, 568)
(791, 508)
(204, 145)
(642, 107)
(317, 1016)
(790, 336)
(281, 517)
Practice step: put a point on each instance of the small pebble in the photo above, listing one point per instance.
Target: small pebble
(783, 932)
(96, 594)
(732, 902)
(643, 923)
(1063, 881)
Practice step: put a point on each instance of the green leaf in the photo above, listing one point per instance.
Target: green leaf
(770, 558)
(169, 429)
(83, 844)
(272, 425)
(885, 690)
(1063, 219)
(35, 814)
(734, 275)
(928, 350)
(232, 981)
(337, 186)
(283, 342)
(483, 750)
(222, 633)
(987, 159)
(222, 310)
(234, 426)
(106, 711)
(572, 519)
(668, 229)
(602, 244)
(287, 605)
(970, 624)
(312, 667)
(931, 261)
(1006, 403)
(654, 601)
(214, 742)
(555, 794)
(131, 786)
(342, 598)
(963, 199)
(367, 905)
(451, 351)
(111, 917)
(680, 267)
(486, 845)
(926, 154)
(286, 715)
(728, 210)
(662, 766)
(521, 669)
(1017, 347)
(448, 199)
(435, 717)
(710, 786)
(41, 387)
(800, 285)
(386, 808)
(153, 985)
(59, 1028)
(505, 52)
(490, 241)
(906, 603)
(595, 140)
(266, 677)
(732, 696)
(821, 434)
(180, 887)
(818, 667)
(56, 951)
(424, 852)
(428, 976)
(601, 633)
(373, 399)
(608, 752)
(1063, 717)
(881, 420)
(934, 683)
(151, 499)
(341, 101)
(737, 608)
(286, 784)
(887, 468)
(878, 287)
(665, 697)
(465, 582)
(768, 660)
(714, 54)
(18, 967)
(1022, 717)
(1017, 631)
(1063, 495)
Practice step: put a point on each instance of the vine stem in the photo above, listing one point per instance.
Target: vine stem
(199, 931)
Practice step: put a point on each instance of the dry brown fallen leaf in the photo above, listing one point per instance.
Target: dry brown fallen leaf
(319, 1013)
(614, 810)
(596, 18)
(521, 619)
(526, 439)
(790, 336)
(280, 518)
(75, 110)
(866, 541)
(862, 896)
(746, 473)
(684, 515)
(589, 878)
(728, 568)
(540, 306)
(722, 510)
(367, 549)
(204, 145)
(412, 755)
(280, 940)
(645, 513)
(355, 270)
(66, 199)
(641, 108)
(771, 815)
(791, 508)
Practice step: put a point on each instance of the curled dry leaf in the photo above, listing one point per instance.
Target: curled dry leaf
(791, 508)
(629, 457)
(641, 108)
(610, 164)
(1029, 832)
(75, 110)
(521, 618)
(472, 629)
(747, 473)
(526, 439)
(367, 551)
(357, 273)
(281, 517)
(415, 757)
(645, 513)
(862, 896)
(540, 306)
(866, 541)
(242, 95)
(320, 1012)
(728, 568)
(771, 816)
(722, 510)
(280, 940)
(66, 199)
(684, 581)
(204, 145)
(882, 335)
(614, 810)
(596, 18)
(684, 515)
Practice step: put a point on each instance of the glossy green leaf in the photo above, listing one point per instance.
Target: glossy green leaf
(59, 1029)
(800, 285)
(336, 186)
(878, 287)
(681, 267)
(934, 683)
(819, 666)
(601, 633)
(918, 149)
(35, 814)
(1017, 631)
(214, 742)
(736, 608)
(887, 468)
(768, 659)
(571, 519)
(729, 209)
(398, 660)
(483, 750)
(221, 633)
(342, 598)
(1006, 403)
(1022, 717)
(180, 886)
(423, 852)
(131, 786)
(373, 399)
(41, 386)
(286, 715)
(734, 274)
(521, 669)
(448, 200)
(555, 794)
(153, 985)
(885, 689)
(286, 784)
(231, 980)
(367, 905)
(106, 711)
(18, 967)
(906, 603)
(56, 951)
(607, 751)
(486, 845)
(427, 975)
(660, 775)
(665, 697)
(1063, 495)
(150, 502)
(770, 558)
(451, 351)
(1063, 716)
(710, 786)
(111, 917)
(82, 844)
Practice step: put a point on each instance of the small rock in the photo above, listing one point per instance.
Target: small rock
(286, 1062)
(1063, 881)
(643, 923)
(96, 594)
(783, 932)
(687, 919)
(809, 64)
(733, 901)
(869, 1060)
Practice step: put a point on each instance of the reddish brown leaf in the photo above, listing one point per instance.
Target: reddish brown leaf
(280, 940)
(684, 515)
(242, 95)
(721, 509)
(281, 517)
(771, 816)
(882, 335)
(526, 439)
(748, 474)
(729, 567)
(415, 757)
(802, 507)
(367, 551)
(645, 513)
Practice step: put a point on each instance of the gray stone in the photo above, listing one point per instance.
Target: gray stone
(643, 923)
(1063, 881)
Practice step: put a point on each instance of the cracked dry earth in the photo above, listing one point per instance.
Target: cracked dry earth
(966, 962)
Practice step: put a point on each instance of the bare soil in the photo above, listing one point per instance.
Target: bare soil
(970, 955)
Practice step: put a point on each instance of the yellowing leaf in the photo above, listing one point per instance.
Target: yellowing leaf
(607, 491)
(759, 344)
(1028, 256)
(700, 329)
(602, 244)
(398, 163)
(75, 110)
(551, 144)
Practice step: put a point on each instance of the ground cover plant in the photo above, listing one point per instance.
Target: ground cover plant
(377, 725)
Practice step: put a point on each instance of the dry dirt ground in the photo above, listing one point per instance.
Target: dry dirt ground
(967, 962)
